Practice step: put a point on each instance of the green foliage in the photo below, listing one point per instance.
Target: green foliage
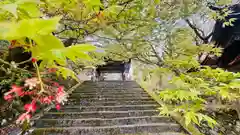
(26, 24)
(44, 46)
(191, 89)
(19, 9)
(189, 93)
(222, 16)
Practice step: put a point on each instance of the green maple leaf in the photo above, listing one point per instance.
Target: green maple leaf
(11, 8)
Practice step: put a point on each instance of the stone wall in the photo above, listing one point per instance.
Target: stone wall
(85, 75)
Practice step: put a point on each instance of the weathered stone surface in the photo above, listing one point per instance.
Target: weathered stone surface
(109, 130)
(110, 99)
(98, 114)
(107, 108)
(96, 122)
(110, 103)
(109, 95)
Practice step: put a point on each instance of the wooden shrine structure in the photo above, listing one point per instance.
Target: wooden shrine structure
(113, 66)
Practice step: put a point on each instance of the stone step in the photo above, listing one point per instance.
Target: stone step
(110, 130)
(111, 103)
(70, 99)
(113, 106)
(112, 86)
(110, 83)
(108, 88)
(110, 91)
(95, 122)
(93, 90)
(107, 96)
(105, 108)
(99, 114)
(89, 89)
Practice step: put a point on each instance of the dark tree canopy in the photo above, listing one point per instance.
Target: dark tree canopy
(222, 33)
(226, 34)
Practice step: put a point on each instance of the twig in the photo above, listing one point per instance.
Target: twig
(126, 2)
(11, 66)
(23, 62)
(125, 6)
(39, 78)
(156, 54)
(196, 30)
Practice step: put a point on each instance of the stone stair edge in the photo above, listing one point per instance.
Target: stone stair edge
(118, 118)
(115, 126)
(132, 111)
(116, 106)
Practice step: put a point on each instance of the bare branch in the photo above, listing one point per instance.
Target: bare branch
(196, 30)
(144, 60)
(126, 2)
(125, 6)
(12, 67)
(156, 53)
(208, 36)
(216, 8)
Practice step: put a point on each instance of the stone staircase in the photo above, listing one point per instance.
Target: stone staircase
(107, 108)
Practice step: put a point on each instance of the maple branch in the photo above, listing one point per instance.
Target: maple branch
(125, 6)
(156, 54)
(216, 8)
